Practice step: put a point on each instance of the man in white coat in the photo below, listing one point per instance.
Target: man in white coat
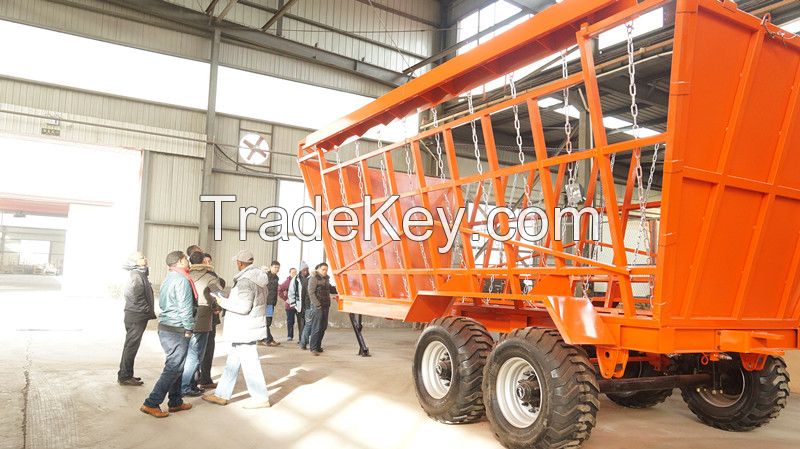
(244, 326)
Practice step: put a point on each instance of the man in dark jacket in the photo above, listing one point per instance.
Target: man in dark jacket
(204, 378)
(175, 324)
(319, 292)
(138, 311)
(206, 282)
(272, 299)
(305, 307)
(283, 293)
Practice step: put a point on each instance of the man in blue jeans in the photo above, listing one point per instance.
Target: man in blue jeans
(177, 301)
(305, 307)
(319, 292)
(206, 282)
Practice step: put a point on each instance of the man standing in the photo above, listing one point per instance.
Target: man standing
(206, 282)
(319, 292)
(193, 249)
(245, 325)
(305, 304)
(283, 293)
(272, 299)
(138, 311)
(177, 301)
(204, 378)
(295, 295)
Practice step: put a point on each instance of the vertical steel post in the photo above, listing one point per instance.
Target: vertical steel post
(211, 134)
(144, 201)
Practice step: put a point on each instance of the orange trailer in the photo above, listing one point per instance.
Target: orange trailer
(707, 301)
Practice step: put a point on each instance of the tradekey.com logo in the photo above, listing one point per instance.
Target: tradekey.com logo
(344, 224)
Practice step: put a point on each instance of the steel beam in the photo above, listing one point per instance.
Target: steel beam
(211, 7)
(397, 12)
(226, 10)
(144, 200)
(453, 48)
(278, 14)
(211, 134)
(264, 41)
(331, 29)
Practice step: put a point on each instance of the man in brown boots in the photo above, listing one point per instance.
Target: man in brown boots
(177, 301)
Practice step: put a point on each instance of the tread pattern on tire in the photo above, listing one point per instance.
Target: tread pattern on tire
(474, 344)
(576, 390)
(774, 385)
(642, 399)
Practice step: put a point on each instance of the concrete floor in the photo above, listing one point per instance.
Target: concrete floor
(59, 361)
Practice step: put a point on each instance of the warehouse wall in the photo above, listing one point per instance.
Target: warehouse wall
(111, 23)
(173, 138)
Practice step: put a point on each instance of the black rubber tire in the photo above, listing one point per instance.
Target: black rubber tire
(763, 397)
(569, 391)
(640, 399)
(469, 345)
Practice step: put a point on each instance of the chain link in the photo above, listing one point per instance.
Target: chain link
(572, 188)
(520, 153)
(342, 191)
(361, 188)
(421, 245)
(385, 182)
(448, 205)
(479, 165)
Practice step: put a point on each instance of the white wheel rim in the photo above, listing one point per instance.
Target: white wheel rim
(518, 392)
(436, 369)
(721, 399)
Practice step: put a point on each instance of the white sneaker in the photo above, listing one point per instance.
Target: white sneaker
(256, 405)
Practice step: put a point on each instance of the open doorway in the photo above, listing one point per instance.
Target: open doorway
(68, 211)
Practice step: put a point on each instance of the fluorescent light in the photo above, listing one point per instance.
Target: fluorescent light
(548, 102)
(644, 24)
(792, 27)
(573, 111)
(643, 132)
(615, 123)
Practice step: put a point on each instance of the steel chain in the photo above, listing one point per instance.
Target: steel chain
(342, 191)
(448, 205)
(385, 182)
(408, 172)
(361, 188)
(479, 164)
(572, 185)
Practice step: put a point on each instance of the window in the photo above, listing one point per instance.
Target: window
(34, 252)
(501, 10)
(93, 65)
(294, 251)
(59, 58)
(792, 27)
(643, 25)
(481, 20)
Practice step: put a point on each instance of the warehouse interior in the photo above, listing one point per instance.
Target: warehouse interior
(117, 116)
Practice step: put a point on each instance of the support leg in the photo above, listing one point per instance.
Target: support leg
(363, 350)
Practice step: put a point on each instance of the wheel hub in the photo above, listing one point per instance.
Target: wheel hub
(731, 385)
(444, 370)
(436, 369)
(519, 394)
(528, 391)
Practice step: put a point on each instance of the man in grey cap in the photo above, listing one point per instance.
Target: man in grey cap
(245, 325)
